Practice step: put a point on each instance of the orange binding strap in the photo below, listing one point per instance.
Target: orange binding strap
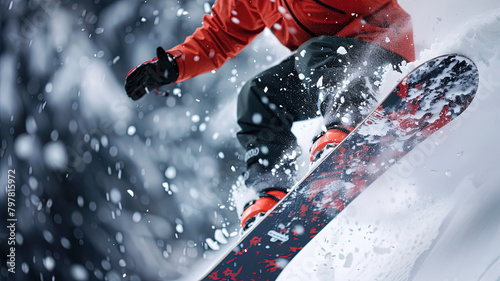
(335, 136)
(262, 205)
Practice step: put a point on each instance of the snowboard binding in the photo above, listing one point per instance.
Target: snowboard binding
(268, 198)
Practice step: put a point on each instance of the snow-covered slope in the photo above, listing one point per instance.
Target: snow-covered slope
(434, 215)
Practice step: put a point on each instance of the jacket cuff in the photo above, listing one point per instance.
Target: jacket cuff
(179, 59)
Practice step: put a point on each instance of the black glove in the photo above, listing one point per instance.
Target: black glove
(151, 75)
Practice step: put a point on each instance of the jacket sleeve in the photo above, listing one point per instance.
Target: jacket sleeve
(232, 25)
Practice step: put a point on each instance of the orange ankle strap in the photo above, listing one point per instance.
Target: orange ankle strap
(335, 136)
(262, 205)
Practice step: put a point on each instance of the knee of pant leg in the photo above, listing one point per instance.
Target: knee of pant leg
(320, 56)
(312, 55)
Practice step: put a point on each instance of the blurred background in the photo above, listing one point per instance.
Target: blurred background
(108, 188)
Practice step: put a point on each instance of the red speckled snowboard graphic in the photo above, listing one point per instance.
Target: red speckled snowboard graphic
(427, 99)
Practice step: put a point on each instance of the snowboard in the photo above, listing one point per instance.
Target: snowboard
(425, 100)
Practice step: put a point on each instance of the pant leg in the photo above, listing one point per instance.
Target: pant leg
(268, 104)
(332, 75)
(344, 73)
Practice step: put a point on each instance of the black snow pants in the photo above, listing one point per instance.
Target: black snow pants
(327, 76)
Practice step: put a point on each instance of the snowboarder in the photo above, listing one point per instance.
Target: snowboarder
(340, 50)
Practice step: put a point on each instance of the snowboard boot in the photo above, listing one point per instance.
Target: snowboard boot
(327, 141)
(268, 198)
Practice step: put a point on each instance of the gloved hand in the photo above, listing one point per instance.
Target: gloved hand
(151, 75)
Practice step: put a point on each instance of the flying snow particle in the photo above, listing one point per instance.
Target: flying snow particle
(113, 151)
(136, 217)
(49, 263)
(48, 87)
(171, 172)
(119, 237)
(48, 236)
(341, 51)
(104, 141)
(106, 265)
(54, 135)
(299, 229)
(130, 192)
(206, 8)
(212, 244)
(92, 206)
(115, 195)
(31, 126)
(319, 83)
(131, 130)
(179, 228)
(177, 92)
(194, 193)
(219, 236)
(257, 118)
(73, 126)
(54, 155)
(80, 201)
(281, 262)
(25, 146)
(33, 183)
(346, 119)
(77, 218)
(99, 54)
(65, 243)
(264, 149)
(165, 186)
(195, 118)
(79, 273)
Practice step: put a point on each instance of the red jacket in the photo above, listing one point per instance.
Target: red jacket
(235, 23)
